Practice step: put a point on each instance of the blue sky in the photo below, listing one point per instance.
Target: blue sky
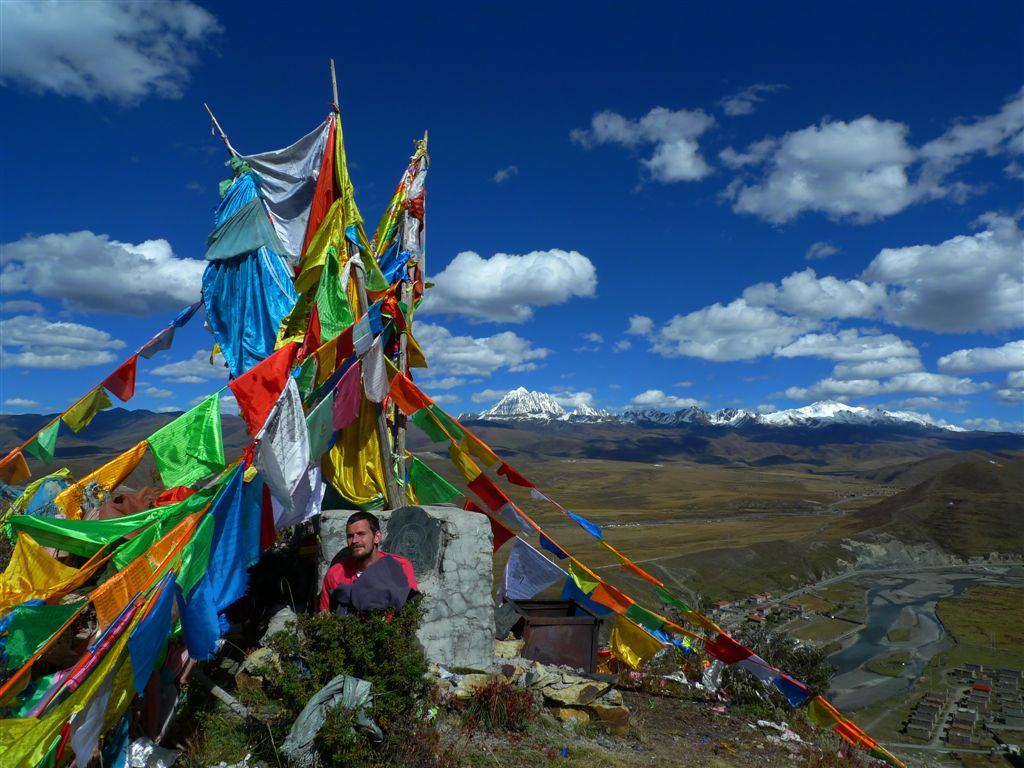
(752, 205)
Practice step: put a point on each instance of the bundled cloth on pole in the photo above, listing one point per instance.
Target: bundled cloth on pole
(246, 296)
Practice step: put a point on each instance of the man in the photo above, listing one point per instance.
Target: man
(366, 579)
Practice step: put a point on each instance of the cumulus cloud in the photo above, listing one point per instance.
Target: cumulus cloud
(1015, 379)
(103, 49)
(506, 173)
(21, 402)
(506, 287)
(655, 398)
(157, 393)
(993, 425)
(766, 408)
(864, 169)
(1008, 357)
(593, 337)
(639, 325)
(472, 356)
(804, 293)
(736, 331)
(447, 382)
(622, 345)
(855, 170)
(877, 369)
(928, 403)
(14, 306)
(1010, 396)
(27, 341)
(673, 134)
(920, 382)
(570, 400)
(967, 283)
(93, 273)
(742, 103)
(194, 370)
(820, 250)
(850, 345)
(488, 395)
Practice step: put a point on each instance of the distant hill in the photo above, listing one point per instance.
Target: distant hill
(969, 508)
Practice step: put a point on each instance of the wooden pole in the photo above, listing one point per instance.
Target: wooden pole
(220, 131)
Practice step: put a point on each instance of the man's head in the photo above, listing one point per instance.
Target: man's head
(362, 534)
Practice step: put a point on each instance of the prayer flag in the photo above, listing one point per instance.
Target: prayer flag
(493, 497)
(466, 466)
(148, 638)
(30, 627)
(528, 572)
(553, 548)
(282, 453)
(14, 469)
(320, 427)
(667, 598)
(511, 513)
(589, 527)
(348, 397)
(514, 477)
(424, 419)
(191, 447)
(407, 396)
(430, 487)
(643, 617)
(330, 303)
(375, 377)
(631, 645)
(81, 413)
(727, 650)
(44, 443)
(108, 477)
(586, 582)
(610, 597)
(158, 343)
(257, 389)
(500, 533)
(571, 592)
(121, 383)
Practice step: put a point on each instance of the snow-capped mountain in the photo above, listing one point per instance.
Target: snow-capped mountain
(522, 405)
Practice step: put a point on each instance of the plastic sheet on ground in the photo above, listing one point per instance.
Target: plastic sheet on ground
(344, 691)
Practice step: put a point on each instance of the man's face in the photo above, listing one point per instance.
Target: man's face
(361, 540)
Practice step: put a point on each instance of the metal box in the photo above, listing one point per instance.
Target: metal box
(557, 632)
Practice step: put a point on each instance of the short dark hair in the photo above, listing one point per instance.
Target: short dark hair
(357, 517)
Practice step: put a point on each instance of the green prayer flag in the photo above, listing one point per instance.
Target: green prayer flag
(643, 617)
(31, 626)
(429, 486)
(195, 556)
(81, 413)
(331, 304)
(667, 598)
(128, 552)
(191, 447)
(43, 445)
(320, 425)
(448, 423)
(582, 580)
(423, 420)
(87, 537)
(34, 693)
(307, 377)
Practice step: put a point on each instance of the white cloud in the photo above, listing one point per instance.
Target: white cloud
(993, 425)
(157, 393)
(655, 398)
(855, 170)
(103, 49)
(804, 293)
(32, 342)
(622, 345)
(448, 398)
(742, 103)
(928, 403)
(168, 409)
(21, 402)
(967, 283)
(639, 325)
(820, 250)
(1015, 379)
(833, 389)
(488, 395)
(572, 399)
(766, 408)
(920, 382)
(194, 370)
(227, 402)
(992, 134)
(737, 331)
(850, 345)
(448, 382)
(15, 306)
(674, 134)
(595, 338)
(755, 153)
(877, 369)
(471, 356)
(507, 287)
(1010, 396)
(505, 174)
(93, 273)
(1008, 357)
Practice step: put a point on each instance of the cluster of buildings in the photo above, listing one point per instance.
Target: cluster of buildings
(980, 700)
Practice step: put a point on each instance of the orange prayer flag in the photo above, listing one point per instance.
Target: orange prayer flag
(121, 383)
(407, 396)
(610, 597)
(14, 468)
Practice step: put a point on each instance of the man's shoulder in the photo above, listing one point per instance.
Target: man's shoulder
(399, 558)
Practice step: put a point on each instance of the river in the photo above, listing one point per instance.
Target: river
(916, 592)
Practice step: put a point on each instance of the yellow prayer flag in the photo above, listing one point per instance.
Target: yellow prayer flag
(353, 465)
(34, 574)
(587, 584)
(632, 645)
(108, 477)
(466, 466)
(414, 356)
(472, 445)
(81, 413)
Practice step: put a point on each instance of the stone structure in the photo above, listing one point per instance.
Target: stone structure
(451, 551)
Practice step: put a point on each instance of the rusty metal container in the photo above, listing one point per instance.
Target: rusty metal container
(557, 632)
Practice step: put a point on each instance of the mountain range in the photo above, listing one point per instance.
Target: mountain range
(522, 405)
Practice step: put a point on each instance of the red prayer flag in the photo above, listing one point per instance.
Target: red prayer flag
(268, 533)
(491, 494)
(725, 649)
(514, 477)
(499, 531)
(311, 342)
(173, 495)
(121, 383)
(324, 195)
(258, 389)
